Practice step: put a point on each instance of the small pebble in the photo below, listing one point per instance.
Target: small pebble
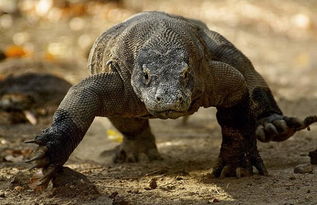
(18, 188)
(113, 195)
(134, 192)
(153, 184)
(303, 169)
(313, 157)
(179, 178)
(292, 178)
(214, 200)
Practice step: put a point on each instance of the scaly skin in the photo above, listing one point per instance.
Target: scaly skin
(156, 65)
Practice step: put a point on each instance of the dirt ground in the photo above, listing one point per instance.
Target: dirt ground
(278, 36)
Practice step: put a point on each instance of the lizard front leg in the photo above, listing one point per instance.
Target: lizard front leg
(238, 153)
(94, 96)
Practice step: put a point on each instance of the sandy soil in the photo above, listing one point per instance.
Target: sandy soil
(282, 47)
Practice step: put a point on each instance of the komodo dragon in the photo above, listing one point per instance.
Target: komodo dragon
(156, 65)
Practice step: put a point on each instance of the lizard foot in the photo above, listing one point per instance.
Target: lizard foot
(279, 128)
(135, 151)
(41, 179)
(49, 157)
(241, 164)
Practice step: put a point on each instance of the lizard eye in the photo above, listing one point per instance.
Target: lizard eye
(146, 78)
(146, 75)
(185, 74)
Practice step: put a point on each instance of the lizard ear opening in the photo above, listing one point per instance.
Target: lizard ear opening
(112, 65)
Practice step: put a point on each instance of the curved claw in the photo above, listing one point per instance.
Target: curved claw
(229, 171)
(125, 154)
(259, 132)
(40, 163)
(216, 171)
(47, 175)
(41, 153)
(244, 168)
(226, 172)
(280, 125)
(32, 141)
(33, 159)
(40, 159)
(41, 179)
(270, 129)
(259, 165)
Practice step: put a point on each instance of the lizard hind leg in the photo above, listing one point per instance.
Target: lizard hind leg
(138, 141)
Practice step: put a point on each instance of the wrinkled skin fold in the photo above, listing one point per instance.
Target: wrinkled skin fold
(156, 65)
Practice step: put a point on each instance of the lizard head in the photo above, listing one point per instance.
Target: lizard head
(163, 80)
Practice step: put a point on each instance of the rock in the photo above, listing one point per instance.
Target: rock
(24, 97)
(18, 188)
(214, 200)
(292, 178)
(303, 169)
(70, 183)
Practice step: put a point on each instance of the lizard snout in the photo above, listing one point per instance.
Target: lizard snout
(169, 101)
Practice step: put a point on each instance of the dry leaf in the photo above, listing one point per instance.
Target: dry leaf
(49, 56)
(35, 181)
(11, 158)
(114, 136)
(15, 51)
(30, 117)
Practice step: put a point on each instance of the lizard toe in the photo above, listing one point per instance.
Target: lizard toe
(227, 171)
(243, 172)
(278, 128)
(153, 154)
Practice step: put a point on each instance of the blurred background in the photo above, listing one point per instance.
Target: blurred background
(278, 37)
(55, 36)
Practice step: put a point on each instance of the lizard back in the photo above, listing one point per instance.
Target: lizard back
(155, 30)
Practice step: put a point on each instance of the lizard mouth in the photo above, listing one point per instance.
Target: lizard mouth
(172, 114)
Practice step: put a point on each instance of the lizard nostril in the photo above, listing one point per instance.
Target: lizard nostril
(180, 99)
(158, 99)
